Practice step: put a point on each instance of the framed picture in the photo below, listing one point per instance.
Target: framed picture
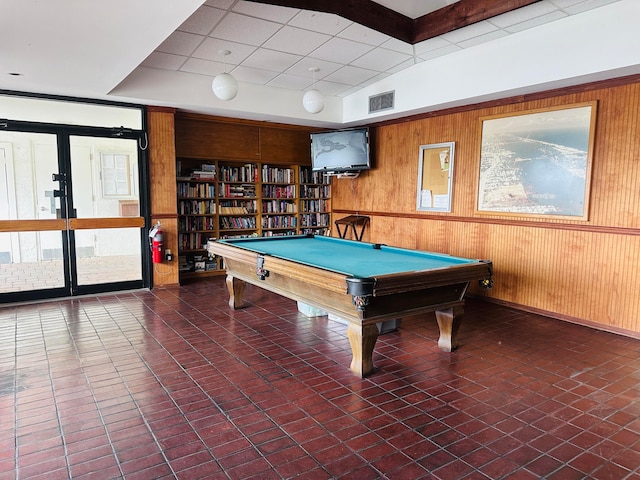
(435, 177)
(537, 163)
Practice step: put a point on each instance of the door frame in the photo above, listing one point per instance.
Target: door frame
(67, 225)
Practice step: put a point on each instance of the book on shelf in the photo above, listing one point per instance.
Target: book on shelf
(203, 175)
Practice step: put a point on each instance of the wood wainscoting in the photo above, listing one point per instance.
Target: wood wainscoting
(583, 271)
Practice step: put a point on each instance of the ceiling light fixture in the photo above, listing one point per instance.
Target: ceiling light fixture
(313, 100)
(224, 86)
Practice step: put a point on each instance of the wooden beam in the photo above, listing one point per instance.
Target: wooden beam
(382, 19)
(461, 14)
(364, 12)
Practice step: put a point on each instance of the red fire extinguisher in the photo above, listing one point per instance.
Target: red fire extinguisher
(157, 244)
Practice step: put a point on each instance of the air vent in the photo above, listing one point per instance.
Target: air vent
(383, 101)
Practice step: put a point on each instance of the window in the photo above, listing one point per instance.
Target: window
(115, 175)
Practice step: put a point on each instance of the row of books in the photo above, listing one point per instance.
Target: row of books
(278, 191)
(315, 191)
(208, 207)
(278, 206)
(238, 206)
(237, 223)
(321, 230)
(199, 190)
(314, 220)
(196, 207)
(188, 224)
(279, 221)
(192, 241)
(237, 190)
(315, 206)
(277, 175)
(282, 233)
(249, 173)
(309, 176)
(243, 173)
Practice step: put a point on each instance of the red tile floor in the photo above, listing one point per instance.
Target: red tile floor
(172, 384)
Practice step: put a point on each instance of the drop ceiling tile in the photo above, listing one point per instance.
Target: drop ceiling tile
(380, 59)
(483, 39)
(302, 68)
(351, 75)
(253, 75)
(296, 40)
(576, 6)
(331, 88)
(398, 46)
(340, 50)
(467, 33)
(450, 48)
(244, 29)
(203, 67)
(274, 13)
(522, 14)
(202, 21)
(534, 22)
(210, 50)
(272, 60)
(320, 22)
(432, 44)
(587, 5)
(181, 43)
(292, 82)
(166, 61)
(360, 33)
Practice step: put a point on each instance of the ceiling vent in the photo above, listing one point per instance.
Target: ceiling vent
(383, 101)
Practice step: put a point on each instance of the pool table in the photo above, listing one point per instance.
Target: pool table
(363, 283)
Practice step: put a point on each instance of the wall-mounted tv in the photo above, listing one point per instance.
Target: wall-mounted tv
(341, 151)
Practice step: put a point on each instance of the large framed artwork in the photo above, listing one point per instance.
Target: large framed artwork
(537, 163)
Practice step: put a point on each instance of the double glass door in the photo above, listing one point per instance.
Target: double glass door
(70, 214)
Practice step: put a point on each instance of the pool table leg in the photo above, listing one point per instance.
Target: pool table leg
(362, 339)
(449, 321)
(236, 290)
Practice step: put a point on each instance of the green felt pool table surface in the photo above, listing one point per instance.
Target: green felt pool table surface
(357, 259)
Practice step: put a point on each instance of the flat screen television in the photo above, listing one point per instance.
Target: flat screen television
(340, 151)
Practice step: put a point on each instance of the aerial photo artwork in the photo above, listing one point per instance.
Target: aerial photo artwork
(536, 163)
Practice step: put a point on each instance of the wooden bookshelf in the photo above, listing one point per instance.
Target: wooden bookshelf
(196, 189)
(227, 199)
(279, 201)
(315, 202)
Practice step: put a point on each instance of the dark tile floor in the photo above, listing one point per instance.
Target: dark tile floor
(172, 384)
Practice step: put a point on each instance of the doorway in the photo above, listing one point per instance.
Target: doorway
(71, 218)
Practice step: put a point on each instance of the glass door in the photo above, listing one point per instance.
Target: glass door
(32, 248)
(70, 214)
(104, 212)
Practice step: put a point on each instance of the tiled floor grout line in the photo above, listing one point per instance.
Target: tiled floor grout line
(182, 387)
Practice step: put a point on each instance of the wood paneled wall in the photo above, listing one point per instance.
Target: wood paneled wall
(218, 138)
(162, 173)
(586, 272)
